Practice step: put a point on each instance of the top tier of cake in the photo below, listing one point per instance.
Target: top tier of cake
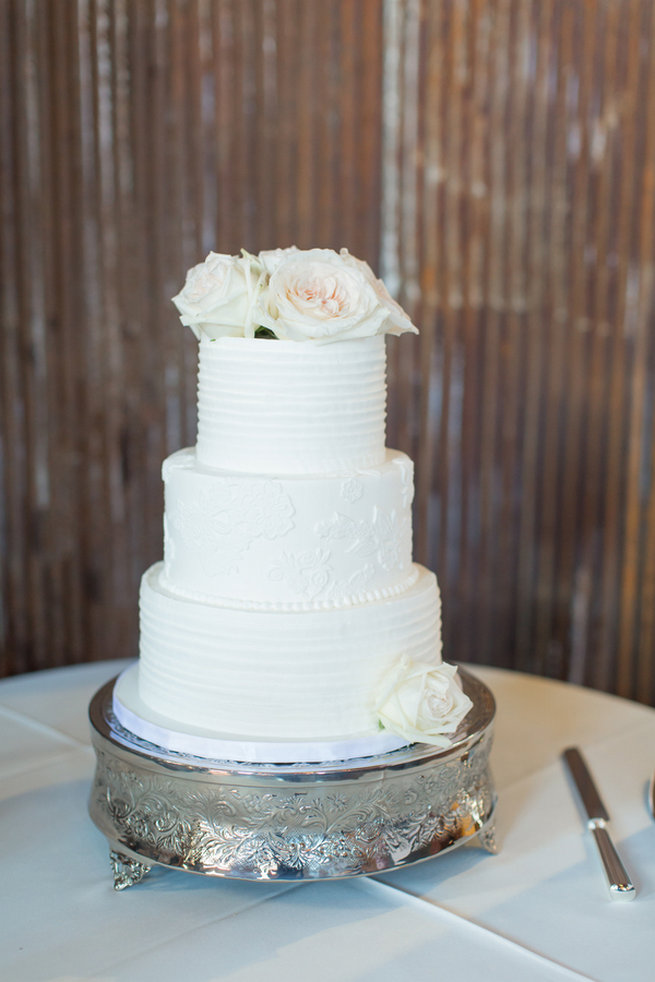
(280, 407)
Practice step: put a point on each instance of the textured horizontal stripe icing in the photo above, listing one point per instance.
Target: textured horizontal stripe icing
(275, 675)
(301, 542)
(132, 714)
(287, 407)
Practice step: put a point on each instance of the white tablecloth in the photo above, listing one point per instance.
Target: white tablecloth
(539, 910)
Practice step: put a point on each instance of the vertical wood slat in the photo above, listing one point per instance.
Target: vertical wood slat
(495, 160)
(634, 652)
(530, 547)
(12, 541)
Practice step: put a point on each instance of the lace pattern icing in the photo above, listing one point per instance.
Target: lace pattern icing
(375, 540)
(222, 523)
(260, 542)
(407, 482)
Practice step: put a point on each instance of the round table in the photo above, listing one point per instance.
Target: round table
(539, 909)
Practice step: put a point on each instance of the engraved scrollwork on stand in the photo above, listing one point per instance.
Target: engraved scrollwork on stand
(286, 821)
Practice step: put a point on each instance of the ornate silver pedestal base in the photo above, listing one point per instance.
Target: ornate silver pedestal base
(289, 821)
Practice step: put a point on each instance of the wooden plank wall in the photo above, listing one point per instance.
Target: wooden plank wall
(493, 159)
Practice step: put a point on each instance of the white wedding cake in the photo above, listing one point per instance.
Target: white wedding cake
(287, 620)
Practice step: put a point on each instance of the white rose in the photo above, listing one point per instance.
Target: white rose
(397, 320)
(218, 296)
(270, 259)
(320, 295)
(422, 702)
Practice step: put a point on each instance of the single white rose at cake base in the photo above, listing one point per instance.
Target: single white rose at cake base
(422, 702)
(320, 295)
(218, 296)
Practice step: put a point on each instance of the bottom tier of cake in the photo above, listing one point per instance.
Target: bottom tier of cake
(279, 675)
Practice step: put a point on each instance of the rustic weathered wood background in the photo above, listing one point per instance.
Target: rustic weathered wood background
(494, 161)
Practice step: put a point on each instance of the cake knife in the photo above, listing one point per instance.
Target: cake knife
(621, 887)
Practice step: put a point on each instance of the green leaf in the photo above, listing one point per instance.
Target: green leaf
(265, 332)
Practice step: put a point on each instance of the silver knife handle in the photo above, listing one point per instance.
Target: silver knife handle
(617, 877)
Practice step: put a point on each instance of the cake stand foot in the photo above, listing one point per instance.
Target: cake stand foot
(127, 871)
(487, 837)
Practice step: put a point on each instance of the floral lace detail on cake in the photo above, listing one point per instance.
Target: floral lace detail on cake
(307, 573)
(222, 524)
(406, 481)
(268, 508)
(352, 490)
(361, 578)
(376, 539)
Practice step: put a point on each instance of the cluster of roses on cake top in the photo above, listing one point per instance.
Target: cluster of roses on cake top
(320, 296)
(290, 294)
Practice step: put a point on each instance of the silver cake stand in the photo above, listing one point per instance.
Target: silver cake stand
(289, 821)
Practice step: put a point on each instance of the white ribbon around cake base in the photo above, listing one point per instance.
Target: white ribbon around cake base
(133, 714)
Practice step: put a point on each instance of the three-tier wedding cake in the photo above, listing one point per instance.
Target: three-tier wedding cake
(287, 620)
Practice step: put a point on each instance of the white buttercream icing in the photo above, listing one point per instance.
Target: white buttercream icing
(305, 675)
(133, 714)
(297, 541)
(281, 407)
(287, 592)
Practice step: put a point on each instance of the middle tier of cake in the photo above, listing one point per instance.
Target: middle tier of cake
(300, 542)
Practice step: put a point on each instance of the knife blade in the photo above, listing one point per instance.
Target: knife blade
(621, 887)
